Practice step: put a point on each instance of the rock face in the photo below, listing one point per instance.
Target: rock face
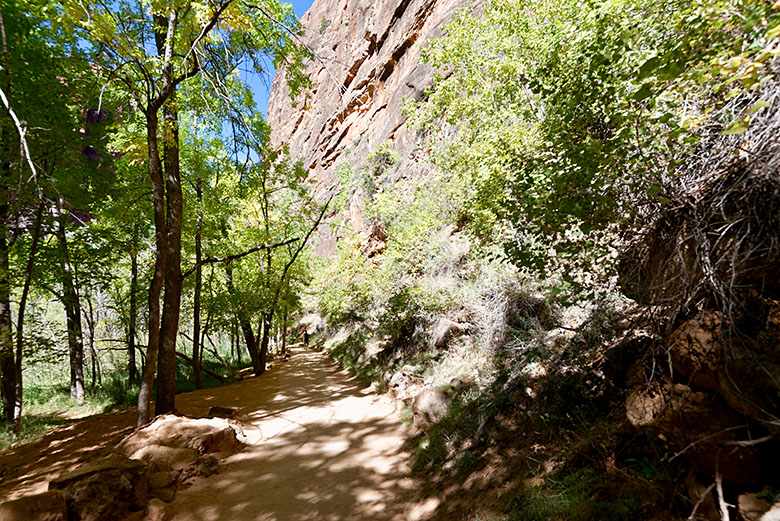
(368, 63)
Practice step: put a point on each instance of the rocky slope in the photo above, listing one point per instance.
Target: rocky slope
(367, 63)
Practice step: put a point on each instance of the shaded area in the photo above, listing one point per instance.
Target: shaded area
(321, 446)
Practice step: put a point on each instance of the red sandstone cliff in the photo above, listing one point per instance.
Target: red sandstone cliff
(368, 62)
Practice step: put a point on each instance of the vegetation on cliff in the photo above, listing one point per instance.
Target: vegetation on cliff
(586, 230)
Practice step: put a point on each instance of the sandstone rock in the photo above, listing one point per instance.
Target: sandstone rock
(745, 371)
(49, 506)
(430, 406)
(443, 330)
(223, 440)
(202, 434)
(105, 491)
(370, 63)
(751, 507)
(156, 511)
(163, 459)
(162, 485)
(675, 413)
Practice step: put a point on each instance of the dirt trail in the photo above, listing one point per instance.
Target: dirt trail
(322, 447)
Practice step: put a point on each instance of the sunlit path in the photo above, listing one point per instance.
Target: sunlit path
(323, 447)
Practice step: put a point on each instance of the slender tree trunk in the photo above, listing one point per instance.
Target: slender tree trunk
(238, 343)
(97, 378)
(196, 357)
(284, 330)
(267, 322)
(8, 370)
(28, 275)
(245, 325)
(132, 372)
(169, 326)
(72, 309)
(155, 288)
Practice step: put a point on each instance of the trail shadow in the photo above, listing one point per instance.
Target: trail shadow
(27, 469)
(327, 450)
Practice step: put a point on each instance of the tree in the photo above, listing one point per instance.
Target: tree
(190, 39)
(41, 151)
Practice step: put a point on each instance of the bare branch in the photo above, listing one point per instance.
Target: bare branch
(213, 260)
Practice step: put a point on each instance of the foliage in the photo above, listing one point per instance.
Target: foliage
(571, 117)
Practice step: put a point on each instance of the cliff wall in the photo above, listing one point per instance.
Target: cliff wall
(367, 64)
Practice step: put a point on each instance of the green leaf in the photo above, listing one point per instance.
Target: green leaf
(740, 126)
(774, 32)
(643, 93)
(758, 106)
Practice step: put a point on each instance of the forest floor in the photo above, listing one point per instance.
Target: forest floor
(322, 446)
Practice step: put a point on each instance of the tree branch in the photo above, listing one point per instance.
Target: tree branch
(215, 260)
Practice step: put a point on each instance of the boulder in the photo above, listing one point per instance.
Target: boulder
(163, 459)
(674, 413)
(430, 406)
(202, 434)
(105, 491)
(443, 330)
(49, 506)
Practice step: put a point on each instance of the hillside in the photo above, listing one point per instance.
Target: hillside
(555, 241)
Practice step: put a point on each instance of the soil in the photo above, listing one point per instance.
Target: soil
(321, 446)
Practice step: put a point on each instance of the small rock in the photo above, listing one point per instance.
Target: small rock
(162, 485)
(430, 406)
(156, 511)
(751, 507)
(223, 412)
(49, 506)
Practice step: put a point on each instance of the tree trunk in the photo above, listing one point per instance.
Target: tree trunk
(198, 283)
(169, 325)
(155, 288)
(97, 379)
(132, 372)
(245, 325)
(72, 309)
(284, 330)
(238, 343)
(28, 275)
(267, 322)
(8, 370)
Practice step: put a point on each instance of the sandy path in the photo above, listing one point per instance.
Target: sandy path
(321, 447)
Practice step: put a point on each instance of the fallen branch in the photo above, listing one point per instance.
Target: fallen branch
(724, 508)
(700, 501)
(204, 369)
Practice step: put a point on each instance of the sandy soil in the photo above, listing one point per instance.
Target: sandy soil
(321, 447)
